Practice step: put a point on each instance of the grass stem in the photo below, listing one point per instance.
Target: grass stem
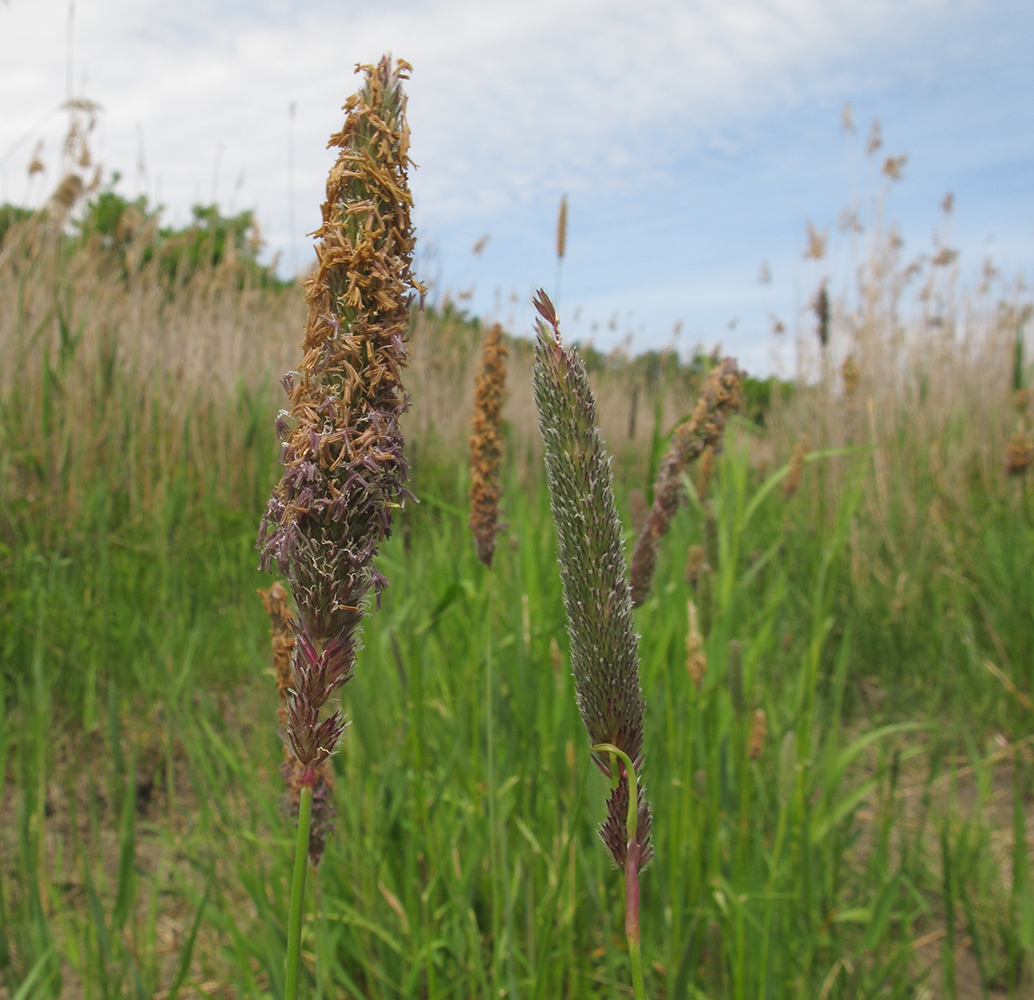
(631, 869)
(301, 864)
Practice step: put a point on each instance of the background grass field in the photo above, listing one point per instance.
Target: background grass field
(874, 844)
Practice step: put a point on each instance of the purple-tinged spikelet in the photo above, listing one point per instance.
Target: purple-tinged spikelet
(344, 466)
(283, 641)
(604, 646)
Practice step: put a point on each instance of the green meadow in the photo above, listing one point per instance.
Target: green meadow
(841, 811)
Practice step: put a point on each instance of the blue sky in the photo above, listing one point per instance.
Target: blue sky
(694, 140)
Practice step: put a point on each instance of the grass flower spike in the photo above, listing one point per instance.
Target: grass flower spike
(486, 445)
(344, 467)
(342, 451)
(703, 430)
(604, 646)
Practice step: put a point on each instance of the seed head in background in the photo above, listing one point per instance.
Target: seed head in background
(604, 646)
(722, 395)
(486, 445)
(344, 466)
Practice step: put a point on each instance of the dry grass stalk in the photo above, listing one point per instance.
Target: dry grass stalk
(758, 734)
(792, 482)
(721, 396)
(486, 443)
(561, 229)
(851, 375)
(696, 657)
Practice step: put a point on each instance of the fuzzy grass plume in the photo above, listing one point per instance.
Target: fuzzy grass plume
(721, 396)
(604, 646)
(486, 445)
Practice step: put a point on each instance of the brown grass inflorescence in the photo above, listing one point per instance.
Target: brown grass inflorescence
(344, 462)
(486, 443)
(721, 396)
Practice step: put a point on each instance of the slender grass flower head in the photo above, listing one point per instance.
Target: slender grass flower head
(604, 646)
(486, 445)
(342, 446)
(721, 396)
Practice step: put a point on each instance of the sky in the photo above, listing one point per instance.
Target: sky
(695, 140)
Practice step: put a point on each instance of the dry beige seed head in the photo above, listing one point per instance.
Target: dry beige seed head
(847, 118)
(816, 248)
(851, 374)
(1019, 454)
(721, 396)
(875, 141)
(561, 228)
(894, 165)
(696, 658)
(694, 564)
(486, 443)
(36, 164)
(758, 734)
(792, 481)
(65, 195)
(1021, 400)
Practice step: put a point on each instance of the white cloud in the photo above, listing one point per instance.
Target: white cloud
(510, 104)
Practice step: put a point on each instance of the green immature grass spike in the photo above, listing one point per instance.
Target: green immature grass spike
(343, 451)
(342, 447)
(604, 646)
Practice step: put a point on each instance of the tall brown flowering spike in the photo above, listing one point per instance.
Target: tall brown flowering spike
(282, 639)
(604, 646)
(486, 445)
(1019, 454)
(704, 429)
(344, 464)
